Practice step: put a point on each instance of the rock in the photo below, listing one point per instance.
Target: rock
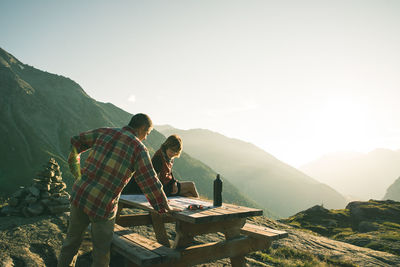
(36, 208)
(44, 187)
(57, 187)
(58, 208)
(56, 195)
(63, 200)
(8, 210)
(47, 190)
(45, 179)
(47, 202)
(25, 212)
(45, 195)
(34, 191)
(13, 202)
(365, 226)
(19, 193)
(31, 199)
(387, 210)
(57, 178)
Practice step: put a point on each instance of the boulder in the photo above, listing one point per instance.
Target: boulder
(34, 191)
(35, 208)
(366, 226)
(13, 202)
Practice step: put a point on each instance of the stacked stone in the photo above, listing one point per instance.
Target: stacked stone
(46, 194)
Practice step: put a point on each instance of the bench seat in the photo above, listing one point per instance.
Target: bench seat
(257, 231)
(139, 250)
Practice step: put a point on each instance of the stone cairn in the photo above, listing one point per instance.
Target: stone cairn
(46, 195)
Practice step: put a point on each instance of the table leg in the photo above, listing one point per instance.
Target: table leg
(238, 261)
(183, 238)
(159, 229)
(120, 207)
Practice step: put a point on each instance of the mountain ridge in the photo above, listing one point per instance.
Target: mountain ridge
(366, 176)
(272, 183)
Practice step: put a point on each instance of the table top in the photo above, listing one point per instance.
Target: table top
(209, 213)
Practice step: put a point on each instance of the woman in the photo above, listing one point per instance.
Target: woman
(163, 161)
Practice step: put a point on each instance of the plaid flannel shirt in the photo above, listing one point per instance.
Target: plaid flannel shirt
(116, 154)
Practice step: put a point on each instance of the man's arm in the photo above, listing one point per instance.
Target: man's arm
(74, 163)
(147, 180)
(80, 143)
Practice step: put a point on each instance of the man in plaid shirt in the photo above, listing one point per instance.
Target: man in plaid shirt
(116, 154)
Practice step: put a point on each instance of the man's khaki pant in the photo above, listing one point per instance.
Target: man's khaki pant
(102, 233)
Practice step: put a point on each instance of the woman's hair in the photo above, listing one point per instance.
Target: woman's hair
(173, 142)
(139, 120)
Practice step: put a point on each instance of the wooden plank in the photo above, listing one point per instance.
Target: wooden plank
(182, 238)
(225, 249)
(140, 219)
(141, 250)
(212, 215)
(159, 229)
(134, 219)
(211, 227)
(262, 232)
(209, 214)
(120, 207)
(134, 252)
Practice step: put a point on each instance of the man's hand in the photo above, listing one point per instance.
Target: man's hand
(74, 163)
(171, 209)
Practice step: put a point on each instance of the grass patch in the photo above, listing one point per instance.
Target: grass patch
(288, 257)
(391, 225)
(391, 235)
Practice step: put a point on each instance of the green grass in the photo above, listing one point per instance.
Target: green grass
(391, 235)
(391, 225)
(290, 257)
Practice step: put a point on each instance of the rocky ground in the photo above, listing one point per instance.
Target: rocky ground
(36, 241)
(374, 224)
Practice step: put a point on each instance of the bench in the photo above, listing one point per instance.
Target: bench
(139, 250)
(260, 232)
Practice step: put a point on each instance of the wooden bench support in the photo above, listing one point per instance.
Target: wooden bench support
(214, 251)
(139, 250)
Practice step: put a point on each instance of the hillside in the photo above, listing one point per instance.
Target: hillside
(393, 192)
(372, 224)
(39, 113)
(273, 184)
(360, 176)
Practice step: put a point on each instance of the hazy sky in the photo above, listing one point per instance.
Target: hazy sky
(297, 78)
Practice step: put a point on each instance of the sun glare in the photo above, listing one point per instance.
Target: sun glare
(341, 125)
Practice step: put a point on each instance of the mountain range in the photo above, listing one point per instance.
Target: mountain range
(40, 112)
(270, 182)
(360, 176)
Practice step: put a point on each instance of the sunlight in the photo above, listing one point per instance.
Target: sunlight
(342, 124)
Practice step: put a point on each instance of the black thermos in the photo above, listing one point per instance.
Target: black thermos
(218, 191)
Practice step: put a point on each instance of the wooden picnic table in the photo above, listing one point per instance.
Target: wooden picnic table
(240, 238)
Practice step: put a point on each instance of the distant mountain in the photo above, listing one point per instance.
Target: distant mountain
(393, 191)
(362, 176)
(273, 184)
(40, 112)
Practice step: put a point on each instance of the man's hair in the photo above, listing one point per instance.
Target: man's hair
(139, 120)
(174, 142)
